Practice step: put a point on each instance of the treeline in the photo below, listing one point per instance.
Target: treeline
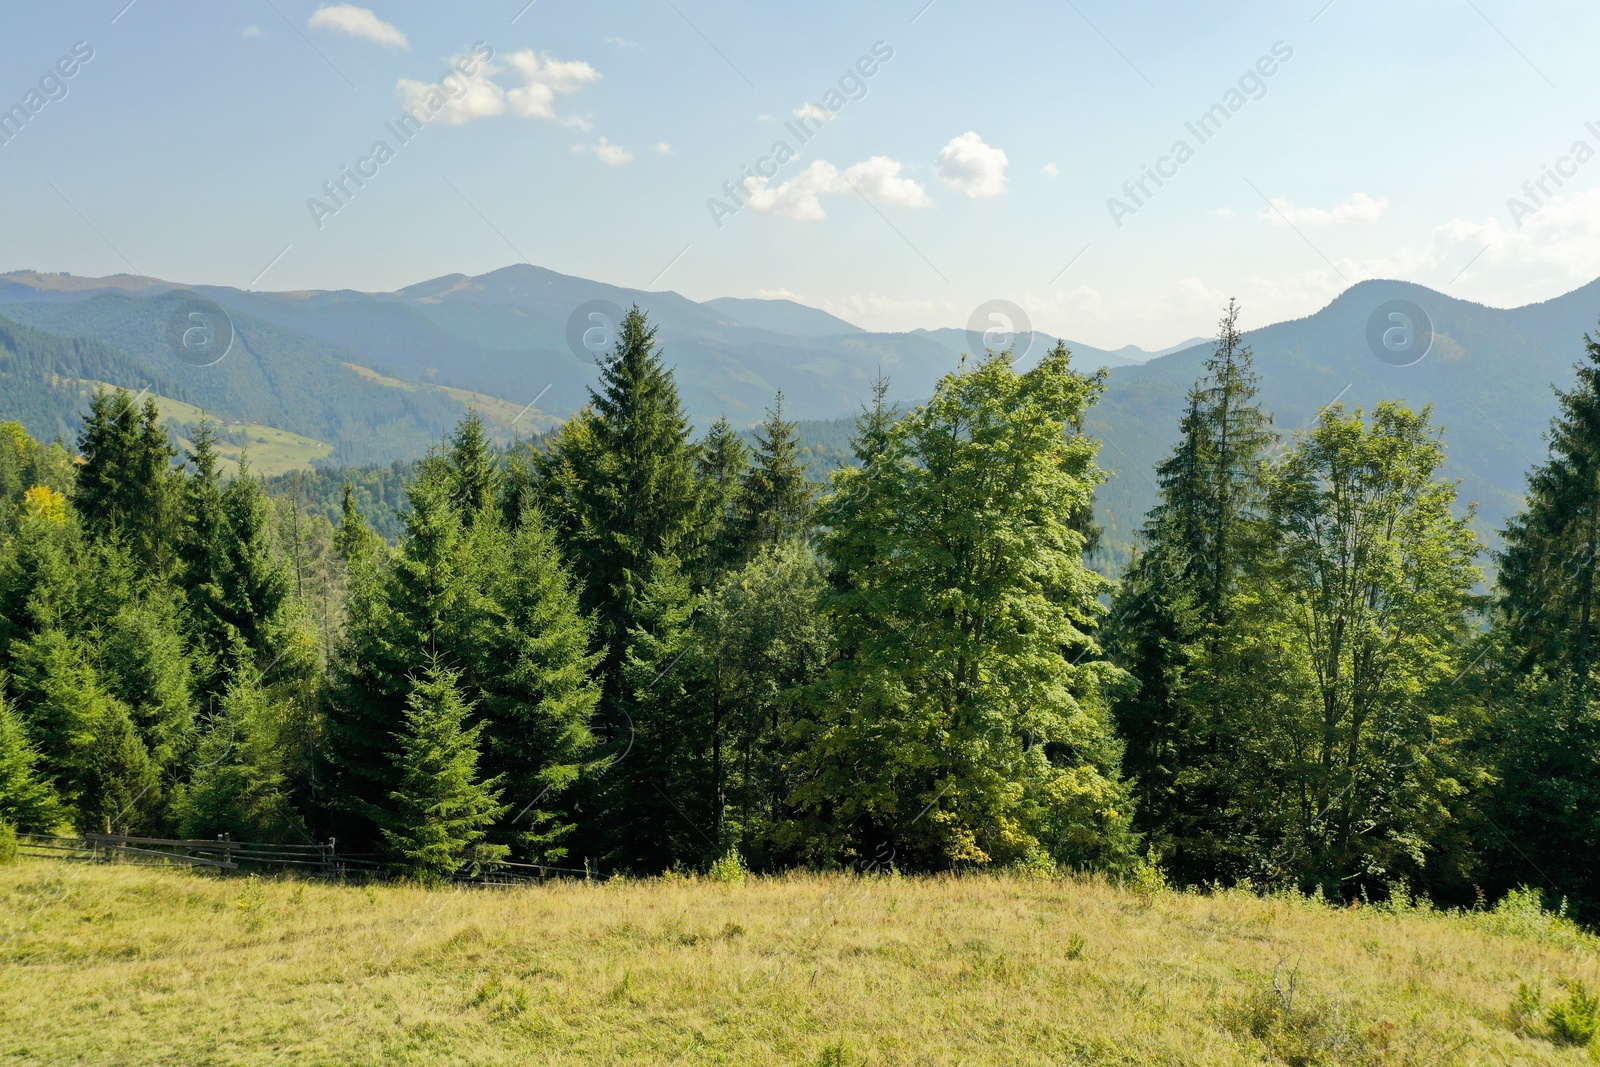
(624, 647)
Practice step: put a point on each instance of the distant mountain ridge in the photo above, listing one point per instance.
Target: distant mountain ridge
(379, 376)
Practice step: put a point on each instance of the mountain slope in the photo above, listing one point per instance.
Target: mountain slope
(1489, 378)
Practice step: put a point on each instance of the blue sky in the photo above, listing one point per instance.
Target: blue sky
(976, 162)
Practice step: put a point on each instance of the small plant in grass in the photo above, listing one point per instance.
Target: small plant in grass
(1575, 1020)
(1036, 863)
(1147, 879)
(1074, 947)
(251, 905)
(836, 1055)
(728, 867)
(8, 843)
(1297, 1029)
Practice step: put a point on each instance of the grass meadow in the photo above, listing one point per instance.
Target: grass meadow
(109, 964)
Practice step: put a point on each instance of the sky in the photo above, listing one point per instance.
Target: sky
(954, 153)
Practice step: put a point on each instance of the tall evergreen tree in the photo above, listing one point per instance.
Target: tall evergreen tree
(27, 799)
(441, 806)
(1173, 606)
(618, 483)
(474, 474)
(775, 499)
(1544, 737)
(721, 460)
(125, 487)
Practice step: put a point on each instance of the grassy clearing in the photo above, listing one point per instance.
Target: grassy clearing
(107, 964)
(500, 414)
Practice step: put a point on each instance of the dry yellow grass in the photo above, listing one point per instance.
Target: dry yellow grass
(123, 965)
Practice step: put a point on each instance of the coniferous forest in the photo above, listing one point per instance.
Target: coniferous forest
(632, 647)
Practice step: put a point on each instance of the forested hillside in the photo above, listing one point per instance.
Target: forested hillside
(634, 648)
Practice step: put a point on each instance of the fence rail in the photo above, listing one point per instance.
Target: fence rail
(225, 854)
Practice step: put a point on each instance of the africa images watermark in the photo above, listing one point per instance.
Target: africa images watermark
(1565, 167)
(52, 86)
(808, 121)
(1252, 85)
(452, 87)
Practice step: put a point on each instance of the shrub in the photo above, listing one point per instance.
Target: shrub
(728, 867)
(8, 843)
(1575, 1020)
(1296, 1029)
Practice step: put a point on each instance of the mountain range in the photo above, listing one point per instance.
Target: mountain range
(345, 377)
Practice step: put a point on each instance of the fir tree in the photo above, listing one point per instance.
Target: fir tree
(775, 499)
(721, 460)
(240, 783)
(442, 808)
(474, 477)
(618, 483)
(1172, 609)
(125, 486)
(1544, 740)
(355, 539)
(27, 800)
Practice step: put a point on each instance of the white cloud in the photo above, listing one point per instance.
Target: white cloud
(663, 148)
(252, 31)
(481, 96)
(358, 22)
(780, 294)
(613, 155)
(878, 179)
(972, 167)
(1358, 208)
(543, 78)
(1051, 169)
(812, 113)
(1221, 212)
(796, 198)
(623, 43)
(456, 103)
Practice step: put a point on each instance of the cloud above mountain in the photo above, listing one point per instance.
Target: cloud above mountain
(353, 21)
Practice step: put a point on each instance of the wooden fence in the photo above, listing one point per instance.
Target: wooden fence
(225, 854)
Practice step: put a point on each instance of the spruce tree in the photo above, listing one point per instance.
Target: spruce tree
(125, 488)
(721, 460)
(256, 583)
(355, 539)
(240, 783)
(441, 806)
(618, 482)
(474, 475)
(27, 799)
(1174, 605)
(525, 661)
(1544, 735)
(203, 559)
(775, 498)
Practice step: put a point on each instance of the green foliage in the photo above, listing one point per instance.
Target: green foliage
(1175, 603)
(1349, 641)
(618, 483)
(442, 807)
(774, 501)
(126, 490)
(240, 785)
(964, 685)
(728, 868)
(27, 800)
(8, 843)
(1544, 740)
